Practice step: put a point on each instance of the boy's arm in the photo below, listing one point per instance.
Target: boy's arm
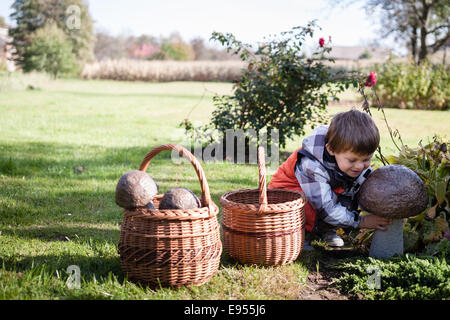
(314, 181)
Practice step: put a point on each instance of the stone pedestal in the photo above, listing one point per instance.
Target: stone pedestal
(387, 243)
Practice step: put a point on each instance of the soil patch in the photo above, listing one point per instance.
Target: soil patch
(320, 285)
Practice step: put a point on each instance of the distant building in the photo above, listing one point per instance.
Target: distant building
(355, 53)
(6, 49)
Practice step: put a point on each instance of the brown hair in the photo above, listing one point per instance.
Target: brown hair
(353, 131)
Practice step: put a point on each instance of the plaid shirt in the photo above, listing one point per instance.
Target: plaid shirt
(314, 179)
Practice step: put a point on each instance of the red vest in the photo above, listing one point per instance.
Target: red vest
(284, 178)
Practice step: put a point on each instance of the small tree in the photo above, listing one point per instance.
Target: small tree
(281, 89)
(50, 51)
(30, 15)
(174, 48)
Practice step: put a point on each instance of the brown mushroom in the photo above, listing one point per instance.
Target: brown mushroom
(395, 192)
(179, 198)
(135, 189)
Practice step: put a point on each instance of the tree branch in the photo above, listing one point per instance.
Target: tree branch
(438, 44)
(438, 27)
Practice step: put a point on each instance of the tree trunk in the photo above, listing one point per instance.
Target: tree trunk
(445, 55)
(414, 43)
(423, 45)
(423, 32)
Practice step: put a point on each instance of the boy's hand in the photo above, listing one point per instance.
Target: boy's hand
(371, 221)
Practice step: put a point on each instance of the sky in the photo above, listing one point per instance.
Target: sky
(248, 20)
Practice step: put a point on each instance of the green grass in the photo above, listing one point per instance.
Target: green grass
(52, 217)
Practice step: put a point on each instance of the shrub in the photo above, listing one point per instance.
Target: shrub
(50, 51)
(401, 278)
(365, 55)
(411, 86)
(281, 89)
(178, 51)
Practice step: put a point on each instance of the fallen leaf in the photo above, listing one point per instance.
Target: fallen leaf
(431, 212)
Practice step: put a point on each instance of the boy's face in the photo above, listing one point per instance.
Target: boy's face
(351, 163)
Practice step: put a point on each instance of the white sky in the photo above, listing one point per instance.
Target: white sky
(248, 20)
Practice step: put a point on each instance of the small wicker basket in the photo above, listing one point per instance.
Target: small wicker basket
(263, 226)
(171, 247)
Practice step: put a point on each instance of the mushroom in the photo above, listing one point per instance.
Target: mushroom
(179, 198)
(135, 189)
(395, 192)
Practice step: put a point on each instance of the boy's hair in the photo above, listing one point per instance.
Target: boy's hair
(353, 131)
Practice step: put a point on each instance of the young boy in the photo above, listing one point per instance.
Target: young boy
(329, 168)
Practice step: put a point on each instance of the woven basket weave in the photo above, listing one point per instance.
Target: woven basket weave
(263, 226)
(171, 247)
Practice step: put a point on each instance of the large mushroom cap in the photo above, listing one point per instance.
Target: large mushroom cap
(393, 191)
(179, 198)
(135, 189)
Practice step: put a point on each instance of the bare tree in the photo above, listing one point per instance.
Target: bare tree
(424, 25)
(424, 22)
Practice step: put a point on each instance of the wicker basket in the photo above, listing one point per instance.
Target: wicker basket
(264, 227)
(171, 247)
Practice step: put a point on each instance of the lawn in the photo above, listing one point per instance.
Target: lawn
(52, 216)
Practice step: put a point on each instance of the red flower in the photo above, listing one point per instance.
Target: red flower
(321, 42)
(371, 79)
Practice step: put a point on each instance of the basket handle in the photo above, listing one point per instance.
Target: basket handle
(206, 196)
(262, 181)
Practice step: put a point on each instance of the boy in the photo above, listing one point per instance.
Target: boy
(329, 168)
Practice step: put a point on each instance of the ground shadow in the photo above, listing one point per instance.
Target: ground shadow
(63, 234)
(91, 267)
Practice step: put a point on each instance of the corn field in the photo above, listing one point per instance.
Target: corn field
(139, 70)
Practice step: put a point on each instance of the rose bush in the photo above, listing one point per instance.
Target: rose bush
(281, 89)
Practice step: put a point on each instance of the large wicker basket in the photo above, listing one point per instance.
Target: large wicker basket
(171, 247)
(263, 226)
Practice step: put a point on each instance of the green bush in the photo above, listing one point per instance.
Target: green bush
(400, 278)
(411, 86)
(50, 51)
(178, 51)
(281, 88)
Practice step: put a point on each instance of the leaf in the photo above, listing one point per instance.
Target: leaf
(392, 159)
(431, 212)
(419, 217)
(441, 189)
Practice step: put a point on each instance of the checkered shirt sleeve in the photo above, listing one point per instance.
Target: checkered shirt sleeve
(314, 180)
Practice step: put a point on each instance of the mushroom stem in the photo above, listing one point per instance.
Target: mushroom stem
(387, 243)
